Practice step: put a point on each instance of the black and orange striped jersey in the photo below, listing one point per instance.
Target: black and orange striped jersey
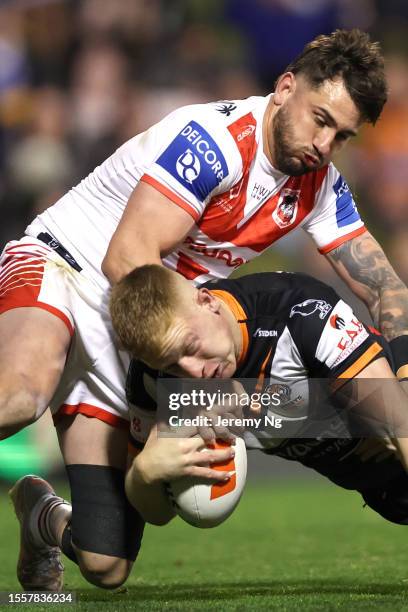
(294, 329)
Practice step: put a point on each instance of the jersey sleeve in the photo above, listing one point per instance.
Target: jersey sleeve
(140, 396)
(335, 218)
(346, 346)
(332, 342)
(194, 158)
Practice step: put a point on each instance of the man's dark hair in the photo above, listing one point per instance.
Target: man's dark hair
(351, 55)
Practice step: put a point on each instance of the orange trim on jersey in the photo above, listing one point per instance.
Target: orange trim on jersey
(240, 316)
(341, 240)
(146, 178)
(261, 377)
(91, 412)
(362, 361)
(219, 489)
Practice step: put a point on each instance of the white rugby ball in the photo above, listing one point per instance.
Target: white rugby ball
(207, 505)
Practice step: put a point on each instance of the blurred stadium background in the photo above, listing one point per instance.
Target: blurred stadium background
(79, 77)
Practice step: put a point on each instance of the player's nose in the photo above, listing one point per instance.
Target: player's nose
(323, 142)
(191, 366)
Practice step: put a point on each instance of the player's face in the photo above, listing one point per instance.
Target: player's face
(200, 343)
(309, 125)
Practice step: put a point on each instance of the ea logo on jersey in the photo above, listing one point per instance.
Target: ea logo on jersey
(286, 210)
(195, 160)
(309, 307)
(188, 166)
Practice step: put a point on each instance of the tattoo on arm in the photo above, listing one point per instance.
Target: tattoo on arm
(361, 263)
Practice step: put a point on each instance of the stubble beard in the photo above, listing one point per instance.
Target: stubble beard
(284, 154)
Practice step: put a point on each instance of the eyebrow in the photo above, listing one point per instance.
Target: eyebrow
(170, 358)
(331, 121)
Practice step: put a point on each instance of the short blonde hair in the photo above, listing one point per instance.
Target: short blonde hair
(142, 307)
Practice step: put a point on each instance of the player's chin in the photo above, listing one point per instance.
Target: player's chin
(228, 370)
(294, 166)
(300, 168)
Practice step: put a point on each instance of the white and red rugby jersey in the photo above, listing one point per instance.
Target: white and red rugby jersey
(209, 160)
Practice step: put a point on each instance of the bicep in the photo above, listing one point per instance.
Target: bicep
(151, 226)
(380, 404)
(388, 402)
(377, 369)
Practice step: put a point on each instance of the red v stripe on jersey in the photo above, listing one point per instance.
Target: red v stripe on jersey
(260, 231)
(188, 267)
(224, 217)
(225, 211)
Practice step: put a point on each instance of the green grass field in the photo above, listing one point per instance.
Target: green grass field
(303, 546)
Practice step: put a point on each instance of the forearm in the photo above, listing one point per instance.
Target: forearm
(361, 263)
(149, 498)
(121, 258)
(390, 310)
(164, 459)
(151, 226)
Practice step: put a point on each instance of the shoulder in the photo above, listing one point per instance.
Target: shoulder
(283, 294)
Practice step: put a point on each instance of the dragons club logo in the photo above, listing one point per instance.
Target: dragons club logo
(286, 210)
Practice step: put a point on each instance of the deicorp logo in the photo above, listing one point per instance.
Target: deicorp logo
(195, 160)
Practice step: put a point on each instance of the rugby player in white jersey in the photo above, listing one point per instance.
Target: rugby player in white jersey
(203, 191)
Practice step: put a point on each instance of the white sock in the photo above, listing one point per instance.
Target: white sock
(51, 518)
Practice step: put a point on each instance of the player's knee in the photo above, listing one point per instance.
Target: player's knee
(103, 524)
(103, 571)
(18, 408)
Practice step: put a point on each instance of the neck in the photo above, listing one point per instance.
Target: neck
(267, 131)
(234, 327)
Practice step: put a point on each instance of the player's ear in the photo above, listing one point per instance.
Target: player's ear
(208, 300)
(285, 86)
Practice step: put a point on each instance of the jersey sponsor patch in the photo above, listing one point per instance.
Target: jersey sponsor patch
(342, 334)
(309, 307)
(265, 333)
(195, 160)
(346, 210)
(247, 131)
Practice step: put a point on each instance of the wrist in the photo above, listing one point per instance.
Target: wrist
(399, 349)
(144, 471)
